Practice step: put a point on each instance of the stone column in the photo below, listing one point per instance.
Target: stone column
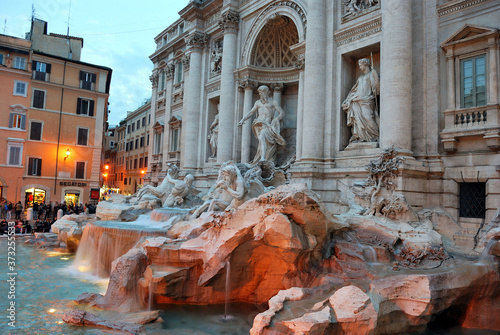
(154, 82)
(169, 76)
(229, 25)
(493, 71)
(277, 91)
(314, 82)
(396, 75)
(300, 113)
(191, 119)
(450, 62)
(299, 51)
(246, 132)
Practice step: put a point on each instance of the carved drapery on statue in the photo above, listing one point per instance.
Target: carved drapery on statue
(216, 57)
(266, 126)
(361, 105)
(213, 135)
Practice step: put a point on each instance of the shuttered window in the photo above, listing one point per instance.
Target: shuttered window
(17, 120)
(34, 167)
(41, 71)
(15, 155)
(80, 170)
(87, 80)
(20, 88)
(36, 131)
(19, 63)
(83, 135)
(85, 107)
(38, 98)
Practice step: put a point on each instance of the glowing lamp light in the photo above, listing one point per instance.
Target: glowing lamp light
(104, 175)
(67, 153)
(143, 172)
(106, 167)
(64, 258)
(52, 310)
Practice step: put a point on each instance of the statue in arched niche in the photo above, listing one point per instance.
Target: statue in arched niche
(266, 126)
(213, 136)
(361, 105)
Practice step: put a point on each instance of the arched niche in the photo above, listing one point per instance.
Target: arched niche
(269, 58)
(288, 9)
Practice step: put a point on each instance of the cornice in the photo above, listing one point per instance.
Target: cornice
(454, 6)
(353, 33)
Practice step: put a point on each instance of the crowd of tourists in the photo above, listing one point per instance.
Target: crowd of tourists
(43, 215)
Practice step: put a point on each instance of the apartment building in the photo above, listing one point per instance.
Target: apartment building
(63, 116)
(133, 134)
(15, 81)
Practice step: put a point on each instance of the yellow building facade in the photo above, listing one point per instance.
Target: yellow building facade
(15, 78)
(66, 113)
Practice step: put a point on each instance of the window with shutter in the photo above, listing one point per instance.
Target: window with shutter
(41, 71)
(87, 80)
(14, 155)
(17, 120)
(20, 88)
(80, 170)
(19, 63)
(38, 99)
(83, 135)
(36, 131)
(85, 107)
(34, 166)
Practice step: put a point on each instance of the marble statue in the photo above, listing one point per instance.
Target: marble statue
(229, 190)
(352, 7)
(266, 126)
(216, 58)
(361, 105)
(181, 189)
(214, 135)
(162, 189)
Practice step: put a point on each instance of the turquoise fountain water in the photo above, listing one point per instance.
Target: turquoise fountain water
(45, 288)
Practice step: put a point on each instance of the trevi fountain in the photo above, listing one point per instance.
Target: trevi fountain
(327, 192)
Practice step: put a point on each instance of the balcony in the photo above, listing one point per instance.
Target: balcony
(476, 121)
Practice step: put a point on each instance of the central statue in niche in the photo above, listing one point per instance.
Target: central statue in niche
(266, 126)
(361, 105)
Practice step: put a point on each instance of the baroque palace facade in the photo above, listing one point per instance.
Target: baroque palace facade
(432, 68)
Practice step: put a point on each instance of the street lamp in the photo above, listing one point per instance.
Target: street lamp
(67, 153)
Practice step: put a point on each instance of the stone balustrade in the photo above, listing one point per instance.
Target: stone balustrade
(476, 121)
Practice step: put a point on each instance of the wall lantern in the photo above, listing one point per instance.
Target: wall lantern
(67, 154)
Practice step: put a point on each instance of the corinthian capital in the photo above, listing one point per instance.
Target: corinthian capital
(247, 84)
(197, 41)
(154, 79)
(228, 22)
(170, 70)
